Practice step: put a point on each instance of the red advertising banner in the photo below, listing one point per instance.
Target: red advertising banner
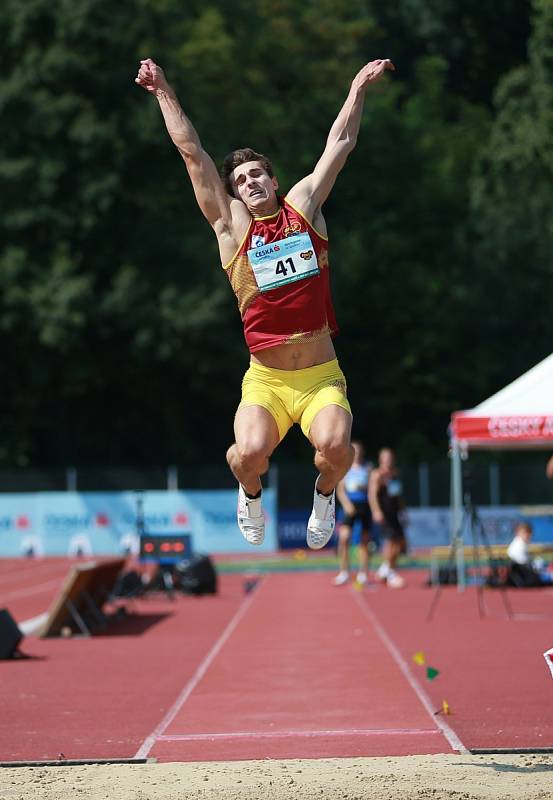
(532, 429)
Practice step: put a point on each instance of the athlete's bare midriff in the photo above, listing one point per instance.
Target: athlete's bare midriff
(296, 356)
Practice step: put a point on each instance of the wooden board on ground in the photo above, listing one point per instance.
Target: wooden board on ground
(84, 592)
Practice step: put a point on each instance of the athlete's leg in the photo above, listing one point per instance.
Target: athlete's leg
(344, 538)
(365, 543)
(256, 436)
(391, 551)
(330, 435)
(364, 556)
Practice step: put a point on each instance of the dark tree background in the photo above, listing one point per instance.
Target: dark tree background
(120, 341)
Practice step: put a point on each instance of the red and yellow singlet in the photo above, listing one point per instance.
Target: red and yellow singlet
(280, 276)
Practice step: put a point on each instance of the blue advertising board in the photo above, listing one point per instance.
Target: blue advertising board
(430, 526)
(90, 523)
(105, 523)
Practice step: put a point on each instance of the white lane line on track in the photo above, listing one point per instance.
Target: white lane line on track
(187, 690)
(42, 587)
(449, 733)
(199, 737)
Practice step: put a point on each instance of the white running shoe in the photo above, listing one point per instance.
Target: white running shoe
(250, 518)
(394, 581)
(362, 578)
(322, 520)
(341, 578)
(383, 571)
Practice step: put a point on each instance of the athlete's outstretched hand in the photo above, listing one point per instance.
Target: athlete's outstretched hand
(372, 72)
(151, 77)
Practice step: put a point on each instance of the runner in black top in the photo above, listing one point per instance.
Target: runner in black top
(386, 500)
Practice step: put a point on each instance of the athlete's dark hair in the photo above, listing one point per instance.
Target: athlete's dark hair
(241, 156)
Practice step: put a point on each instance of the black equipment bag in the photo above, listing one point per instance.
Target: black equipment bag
(196, 576)
(10, 635)
(446, 576)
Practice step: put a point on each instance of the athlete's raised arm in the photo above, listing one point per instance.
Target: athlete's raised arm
(311, 192)
(208, 187)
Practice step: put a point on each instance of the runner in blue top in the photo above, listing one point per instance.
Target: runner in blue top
(352, 492)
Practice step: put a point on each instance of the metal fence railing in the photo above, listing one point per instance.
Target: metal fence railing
(425, 484)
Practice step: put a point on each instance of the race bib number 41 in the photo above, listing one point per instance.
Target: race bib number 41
(282, 262)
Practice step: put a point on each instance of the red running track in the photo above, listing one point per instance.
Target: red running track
(98, 697)
(492, 671)
(301, 675)
(297, 668)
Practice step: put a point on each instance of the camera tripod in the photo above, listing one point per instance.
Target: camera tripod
(484, 569)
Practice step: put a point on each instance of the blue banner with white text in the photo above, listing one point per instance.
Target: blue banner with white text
(105, 523)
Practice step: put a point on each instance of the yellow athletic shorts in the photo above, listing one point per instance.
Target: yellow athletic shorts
(295, 395)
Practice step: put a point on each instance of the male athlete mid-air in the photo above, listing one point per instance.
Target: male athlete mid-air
(274, 250)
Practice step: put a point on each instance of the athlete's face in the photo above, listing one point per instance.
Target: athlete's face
(386, 460)
(253, 185)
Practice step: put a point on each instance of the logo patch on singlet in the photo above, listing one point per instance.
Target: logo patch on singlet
(291, 230)
(258, 241)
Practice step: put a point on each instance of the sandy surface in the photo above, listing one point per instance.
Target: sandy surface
(469, 777)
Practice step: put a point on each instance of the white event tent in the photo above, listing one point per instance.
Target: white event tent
(518, 416)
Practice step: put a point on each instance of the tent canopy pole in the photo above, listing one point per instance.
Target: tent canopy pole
(457, 454)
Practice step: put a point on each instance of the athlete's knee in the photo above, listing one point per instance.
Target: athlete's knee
(344, 534)
(334, 448)
(252, 454)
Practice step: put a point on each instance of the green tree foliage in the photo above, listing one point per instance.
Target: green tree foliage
(479, 39)
(406, 320)
(120, 340)
(512, 207)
